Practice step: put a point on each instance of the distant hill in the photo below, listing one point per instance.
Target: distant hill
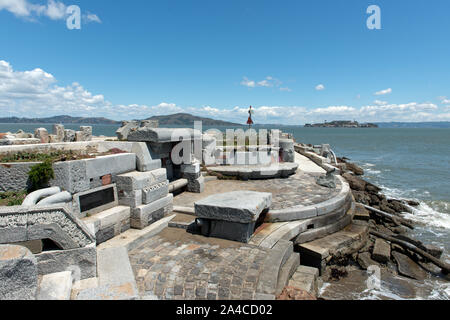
(341, 124)
(188, 119)
(437, 125)
(60, 119)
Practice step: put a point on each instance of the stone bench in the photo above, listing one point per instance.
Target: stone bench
(232, 215)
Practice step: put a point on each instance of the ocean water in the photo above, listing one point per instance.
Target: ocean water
(406, 163)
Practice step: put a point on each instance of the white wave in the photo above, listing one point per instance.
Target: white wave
(426, 214)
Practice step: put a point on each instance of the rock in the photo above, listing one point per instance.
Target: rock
(69, 135)
(361, 197)
(381, 251)
(355, 183)
(398, 206)
(127, 127)
(371, 188)
(18, 273)
(355, 169)
(365, 261)
(85, 134)
(58, 132)
(149, 123)
(196, 185)
(42, 135)
(23, 135)
(292, 293)
(413, 203)
(327, 181)
(408, 268)
(434, 251)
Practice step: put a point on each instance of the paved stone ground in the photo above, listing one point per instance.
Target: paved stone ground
(178, 265)
(300, 188)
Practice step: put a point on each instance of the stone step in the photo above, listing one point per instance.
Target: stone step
(133, 238)
(182, 221)
(306, 278)
(116, 279)
(361, 213)
(326, 230)
(319, 252)
(55, 286)
(109, 223)
(286, 272)
(268, 282)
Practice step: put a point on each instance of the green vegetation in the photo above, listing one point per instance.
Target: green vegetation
(41, 174)
(12, 198)
(38, 157)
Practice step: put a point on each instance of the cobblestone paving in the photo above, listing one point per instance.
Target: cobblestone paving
(178, 265)
(299, 189)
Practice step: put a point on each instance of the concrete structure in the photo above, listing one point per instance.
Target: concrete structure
(233, 215)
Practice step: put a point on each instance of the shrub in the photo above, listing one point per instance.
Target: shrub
(41, 174)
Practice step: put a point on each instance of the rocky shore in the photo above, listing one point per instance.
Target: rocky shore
(390, 246)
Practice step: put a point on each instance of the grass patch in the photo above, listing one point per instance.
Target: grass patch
(12, 198)
(53, 156)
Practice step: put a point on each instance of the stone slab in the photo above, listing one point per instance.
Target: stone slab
(140, 180)
(18, 273)
(381, 251)
(112, 164)
(240, 206)
(145, 215)
(82, 260)
(155, 192)
(408, 267)
(56, 286)
(163, 135)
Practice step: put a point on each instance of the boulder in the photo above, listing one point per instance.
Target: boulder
(69, 135)
(381, 251)
(85, 134)
(354, 168)
(42, 135)
(58, 132)
(18, 273)
(127, 127)
(365, 261)
(355, 183)
(408, 267)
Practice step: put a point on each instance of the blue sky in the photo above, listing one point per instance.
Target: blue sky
(293, 61)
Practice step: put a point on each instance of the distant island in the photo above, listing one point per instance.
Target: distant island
(341, 124)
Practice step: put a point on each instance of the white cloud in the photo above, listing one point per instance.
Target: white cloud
(383, 92)
(320, 87)
(444, 100)
(380, 103)
(248, 83)
(36, 93)
(286, 89)
(19, 8)
(54, 10)
(268, 82)
(90, 17)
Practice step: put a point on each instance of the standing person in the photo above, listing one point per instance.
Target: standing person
(250, 121)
